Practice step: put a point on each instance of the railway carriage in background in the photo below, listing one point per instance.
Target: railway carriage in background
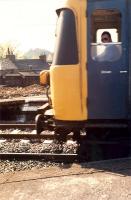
(86, 92)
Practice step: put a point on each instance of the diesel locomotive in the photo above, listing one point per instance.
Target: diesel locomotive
(88, 89)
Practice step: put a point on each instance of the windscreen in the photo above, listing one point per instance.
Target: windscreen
(66, 52)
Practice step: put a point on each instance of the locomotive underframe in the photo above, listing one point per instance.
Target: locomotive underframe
(46, 121)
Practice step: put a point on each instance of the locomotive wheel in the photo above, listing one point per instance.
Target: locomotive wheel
(89, 150)
(39, 123)
(76, 135)
(83, 152)
(120, 144)
(95, 149)
(129, 134)
(61, 134)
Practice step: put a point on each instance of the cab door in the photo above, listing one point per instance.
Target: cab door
(107, 78)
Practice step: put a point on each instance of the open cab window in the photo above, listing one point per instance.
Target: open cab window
(109, 21)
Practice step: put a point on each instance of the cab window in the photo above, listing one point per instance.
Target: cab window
(106, 44)
(66, 52)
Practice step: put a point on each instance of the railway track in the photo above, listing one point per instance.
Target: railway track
(20, 142)
(20, 126)
(13, 133)
(21, 133)
(30, 136)
(57, 157)
(47, 156)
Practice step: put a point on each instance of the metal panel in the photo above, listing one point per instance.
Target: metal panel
(129, 37)
(108, 92)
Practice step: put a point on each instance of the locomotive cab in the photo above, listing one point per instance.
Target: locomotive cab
(90, 80)
(108, 61)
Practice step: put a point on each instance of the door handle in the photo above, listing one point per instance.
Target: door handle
(106, 71)
(123, 72)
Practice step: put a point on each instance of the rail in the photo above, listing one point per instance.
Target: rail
(37, 156)
(18, 126)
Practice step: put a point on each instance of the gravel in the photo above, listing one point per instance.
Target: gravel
(20, 146)
(7, 166)
(27, 145)
(31, 146)
(14, 92)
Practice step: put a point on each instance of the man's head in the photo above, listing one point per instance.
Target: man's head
(106, 37)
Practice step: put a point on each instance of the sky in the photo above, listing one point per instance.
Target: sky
(28, 23)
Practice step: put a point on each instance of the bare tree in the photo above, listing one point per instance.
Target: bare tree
(9, 48)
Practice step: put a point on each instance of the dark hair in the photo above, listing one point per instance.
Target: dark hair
(107, 33)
